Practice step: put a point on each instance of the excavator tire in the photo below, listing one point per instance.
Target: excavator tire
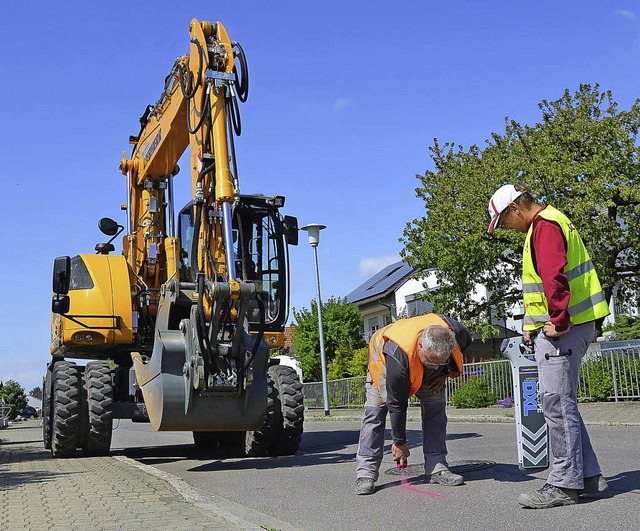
(290, 403)
(46, 410)
(206, 441)
(65, 409)
(258, 443)
(99, 416)
(231, 439)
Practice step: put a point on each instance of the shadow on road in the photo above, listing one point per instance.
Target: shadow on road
(625, 482)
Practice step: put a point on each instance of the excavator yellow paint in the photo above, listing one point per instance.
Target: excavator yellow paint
(99, 317)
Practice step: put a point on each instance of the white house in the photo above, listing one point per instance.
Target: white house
(397, 291)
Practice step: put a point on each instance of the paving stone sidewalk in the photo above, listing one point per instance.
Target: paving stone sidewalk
(98, 493)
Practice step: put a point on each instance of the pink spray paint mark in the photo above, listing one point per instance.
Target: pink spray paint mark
(404, 483)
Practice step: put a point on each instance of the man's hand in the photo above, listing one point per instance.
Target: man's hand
(529, 337)
(550, 330)
(436, 385)
(400, 454)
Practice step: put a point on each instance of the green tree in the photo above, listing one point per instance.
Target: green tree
(359, 362)
(342, 329)
(13, 395)
(582, 157)
(36, 392)
(348, 361)
(339, 365)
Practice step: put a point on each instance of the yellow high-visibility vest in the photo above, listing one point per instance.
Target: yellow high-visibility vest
(586, 303)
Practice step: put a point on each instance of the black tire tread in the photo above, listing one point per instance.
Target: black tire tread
(99, 397)
(258, 443)
(65, 410)
(291, 404)
(206, 442)
(46, 410)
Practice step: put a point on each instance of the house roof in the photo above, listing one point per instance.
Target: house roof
(382, 283)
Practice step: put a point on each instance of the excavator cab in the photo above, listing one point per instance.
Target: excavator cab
(260, 237)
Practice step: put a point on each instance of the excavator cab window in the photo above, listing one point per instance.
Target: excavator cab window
(260, 249)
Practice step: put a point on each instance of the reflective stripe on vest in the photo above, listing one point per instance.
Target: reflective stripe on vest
(405, 333)
(586, 302)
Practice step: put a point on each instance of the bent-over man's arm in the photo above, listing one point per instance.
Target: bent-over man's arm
(398, 388)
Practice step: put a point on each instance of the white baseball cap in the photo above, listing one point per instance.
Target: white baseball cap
(504, 196)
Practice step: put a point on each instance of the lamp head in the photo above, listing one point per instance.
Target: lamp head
(313, 231)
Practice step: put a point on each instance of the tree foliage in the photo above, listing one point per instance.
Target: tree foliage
(581, 157)
(342, 324)
(625, 327)
(36, 392)
(13, 395)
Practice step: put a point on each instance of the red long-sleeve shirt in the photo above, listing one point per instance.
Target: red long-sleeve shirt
(549, 259)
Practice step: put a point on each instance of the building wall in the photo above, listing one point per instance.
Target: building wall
(375, 315)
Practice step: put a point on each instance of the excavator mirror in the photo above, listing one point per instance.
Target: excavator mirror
(61, 275)
(60, 303)
(108, 227)
(291, 229)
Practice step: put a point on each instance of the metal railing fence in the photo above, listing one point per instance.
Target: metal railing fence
(609, 371)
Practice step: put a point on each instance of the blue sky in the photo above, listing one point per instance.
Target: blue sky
(345, 99)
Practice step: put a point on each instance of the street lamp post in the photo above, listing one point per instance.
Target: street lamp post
(313, 231)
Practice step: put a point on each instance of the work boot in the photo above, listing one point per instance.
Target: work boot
(594, 487)
(549, 496)
(365, 486)
(445, 477)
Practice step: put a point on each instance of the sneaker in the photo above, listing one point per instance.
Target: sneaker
(445, 477)
(365, 486)
(549, 496)
(594, 487)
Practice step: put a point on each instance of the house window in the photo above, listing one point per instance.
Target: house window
(416, 305)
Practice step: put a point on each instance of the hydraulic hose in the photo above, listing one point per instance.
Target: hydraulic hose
(203, 338)
(186, 78)
(242, 76)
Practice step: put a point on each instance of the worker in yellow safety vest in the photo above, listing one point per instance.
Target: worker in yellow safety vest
(410, 357)
(562, 300)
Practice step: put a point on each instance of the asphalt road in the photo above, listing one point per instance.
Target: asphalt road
(314, 489)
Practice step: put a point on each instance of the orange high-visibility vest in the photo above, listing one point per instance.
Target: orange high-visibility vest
(405, 333)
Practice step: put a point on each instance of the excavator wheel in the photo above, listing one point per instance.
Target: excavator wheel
(99, 416)
(46, 410)
(231, 439)
(258, 443)
(206, 441)
(290, 403)
(65, 409)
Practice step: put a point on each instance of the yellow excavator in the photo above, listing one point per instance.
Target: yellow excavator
(178, 329)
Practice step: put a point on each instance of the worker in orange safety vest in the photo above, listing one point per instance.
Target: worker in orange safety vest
(410, 357)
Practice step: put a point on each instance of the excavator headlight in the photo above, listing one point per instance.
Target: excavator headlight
(77, 337)
(277, 201)
(88, 338)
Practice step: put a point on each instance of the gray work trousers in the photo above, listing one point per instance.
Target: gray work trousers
(573, 455)
(434, 431)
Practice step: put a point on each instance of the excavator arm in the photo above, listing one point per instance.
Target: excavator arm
(192, 111)
(203, 307)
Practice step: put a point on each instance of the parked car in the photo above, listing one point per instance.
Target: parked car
(27, 412)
